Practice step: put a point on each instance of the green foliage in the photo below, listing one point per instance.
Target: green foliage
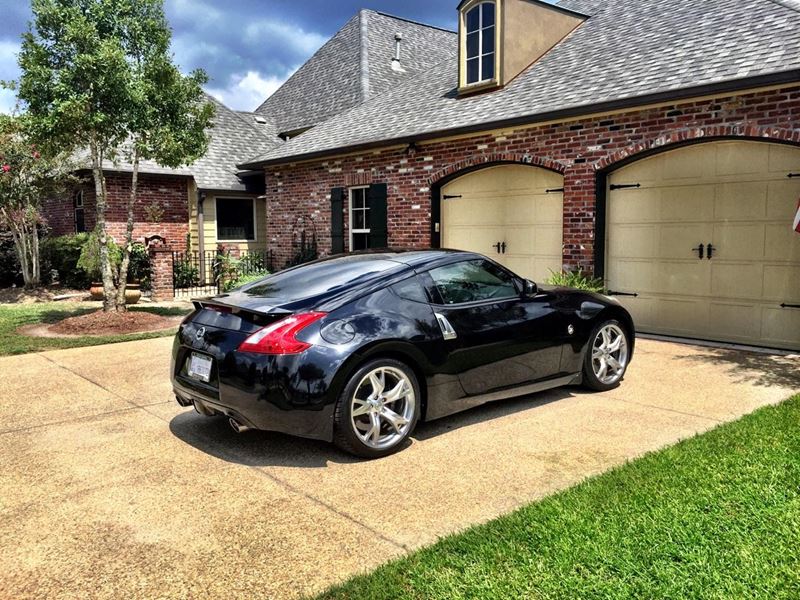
(140, 268)
(62, 254)
(576, 279)
(185, 274)
(10, 273)
(714, 517)
(90, 262)
(242, 280)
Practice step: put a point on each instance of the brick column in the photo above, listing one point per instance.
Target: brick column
(579, 215)
(161, 265)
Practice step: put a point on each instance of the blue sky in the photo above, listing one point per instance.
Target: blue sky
(248, 47)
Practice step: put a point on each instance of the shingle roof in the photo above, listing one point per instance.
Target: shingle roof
(627, 49)
(354, 65)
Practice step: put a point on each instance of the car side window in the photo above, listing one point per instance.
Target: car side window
(472, 281)
(411, 289)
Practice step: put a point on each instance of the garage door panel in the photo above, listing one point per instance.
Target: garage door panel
(742, 200)
(686, 203)
(548, 208)
(783, 159)
(681, 277)
(782, 199)
(734, 195)
(736, 158)
(782, 243)
(735, 321)
(737, 280)
(739, 241)
(468, 238)
(780, 327)
(782, 283)
(678, 241)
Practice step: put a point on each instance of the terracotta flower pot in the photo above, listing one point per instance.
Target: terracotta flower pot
(133, 293)
(96, 290)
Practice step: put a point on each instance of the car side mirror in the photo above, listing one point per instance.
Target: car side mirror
(529, 289)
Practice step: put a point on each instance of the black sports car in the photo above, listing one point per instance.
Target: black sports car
(357, 349)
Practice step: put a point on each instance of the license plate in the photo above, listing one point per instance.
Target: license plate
(200, 367)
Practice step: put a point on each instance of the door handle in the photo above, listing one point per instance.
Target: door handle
(700, 251)
(710, 251)
(503, 246)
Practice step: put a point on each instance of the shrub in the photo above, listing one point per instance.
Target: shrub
(62, 254)
(89, 259)
(243, 280)
(10, 272)
(576, 279)
(139, 268)
(186, 274)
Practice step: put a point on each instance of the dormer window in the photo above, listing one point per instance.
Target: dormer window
(481, 44)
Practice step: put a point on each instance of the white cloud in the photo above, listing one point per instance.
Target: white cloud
(276, 33)
(248, 91)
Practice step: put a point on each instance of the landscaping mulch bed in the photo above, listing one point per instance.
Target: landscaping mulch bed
(19, 295)
(113, 323)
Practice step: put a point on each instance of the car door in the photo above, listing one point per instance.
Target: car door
(499, 338)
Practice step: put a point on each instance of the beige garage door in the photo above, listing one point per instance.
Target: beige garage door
(507, 204)
(735, 196)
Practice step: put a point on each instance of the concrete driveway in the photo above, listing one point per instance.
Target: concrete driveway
(108, 489)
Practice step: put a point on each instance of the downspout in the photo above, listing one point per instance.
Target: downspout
(201, 234)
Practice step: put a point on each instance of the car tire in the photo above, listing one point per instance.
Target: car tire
(374, 395)
(607, 356)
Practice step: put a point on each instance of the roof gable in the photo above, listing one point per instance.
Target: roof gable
(354, 65)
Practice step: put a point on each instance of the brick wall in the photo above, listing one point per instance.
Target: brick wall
(579, 149)
(170, 194)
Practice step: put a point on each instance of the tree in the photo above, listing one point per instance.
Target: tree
(168, 117)
(97, 76)
(27, 176)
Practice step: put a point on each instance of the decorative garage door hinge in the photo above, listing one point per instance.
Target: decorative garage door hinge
(554, 190)
(793, 175)
(784, 305)
(612, 293)
(624, 186)
(446, 197)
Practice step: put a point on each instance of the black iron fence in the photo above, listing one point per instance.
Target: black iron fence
(197, 274)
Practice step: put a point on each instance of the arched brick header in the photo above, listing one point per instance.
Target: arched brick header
(696, 134)
(493, 159)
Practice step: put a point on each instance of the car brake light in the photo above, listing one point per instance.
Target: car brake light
(279, 337)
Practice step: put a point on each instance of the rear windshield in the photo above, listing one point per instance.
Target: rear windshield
(322, 278)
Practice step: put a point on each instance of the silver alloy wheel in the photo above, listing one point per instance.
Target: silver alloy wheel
(382, 407)
(609, 354)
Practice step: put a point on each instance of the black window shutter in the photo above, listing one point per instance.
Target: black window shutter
(378, 216)
(337, 220)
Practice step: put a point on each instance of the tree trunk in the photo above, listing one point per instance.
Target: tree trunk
(109, 289)
(26, 243)
(126, 251)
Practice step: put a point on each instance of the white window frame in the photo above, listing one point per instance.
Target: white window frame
(351, 212)
(481, 34)
(255, 218)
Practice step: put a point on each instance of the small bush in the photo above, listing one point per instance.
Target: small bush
(243, 280)
(62, 254)
(10, 272)
(186, 274)
(576, 279)
(139, 268)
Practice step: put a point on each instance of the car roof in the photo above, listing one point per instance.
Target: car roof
(415, 258)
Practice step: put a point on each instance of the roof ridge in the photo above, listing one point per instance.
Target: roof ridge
(790, 4)
(412, 21)
(363, 48)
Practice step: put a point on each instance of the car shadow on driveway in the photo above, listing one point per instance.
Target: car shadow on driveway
(768, 370)
(213, 435)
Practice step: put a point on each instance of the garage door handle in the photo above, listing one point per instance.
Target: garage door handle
(631, 294)
(710, 252)
(700, 251)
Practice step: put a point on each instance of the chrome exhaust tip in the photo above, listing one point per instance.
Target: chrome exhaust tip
(238, 427)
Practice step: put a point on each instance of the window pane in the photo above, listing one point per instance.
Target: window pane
(488, 67)
(359, 219)
(488, 40)
(235, 219)
(472, 70)
(473, 19)
(488, 14)
(472, 281)
(360, 241)
(472, 44)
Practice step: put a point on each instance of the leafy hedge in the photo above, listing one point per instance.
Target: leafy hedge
(62, 254)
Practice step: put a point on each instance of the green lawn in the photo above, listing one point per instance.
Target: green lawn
(14, 316)
(717, 516)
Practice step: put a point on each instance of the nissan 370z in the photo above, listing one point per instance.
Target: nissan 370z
(358, 349)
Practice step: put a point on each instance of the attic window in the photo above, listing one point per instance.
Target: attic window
(480, 55)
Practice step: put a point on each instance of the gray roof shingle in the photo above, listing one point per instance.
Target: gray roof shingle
(625, 50)
(354, 65)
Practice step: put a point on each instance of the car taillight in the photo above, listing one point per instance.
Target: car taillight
(279, 337)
